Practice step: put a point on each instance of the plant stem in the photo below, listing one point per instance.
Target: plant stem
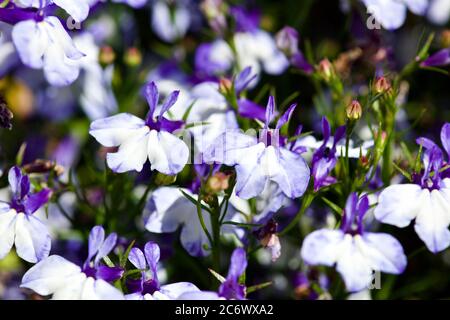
(308, 198)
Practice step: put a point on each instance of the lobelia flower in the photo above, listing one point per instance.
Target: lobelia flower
(427, 199)
(324, 159)
(259, 161)
(138, 139)
(231, 288)
(287, 41)
(355, 252)
(168, 209)
(391, 14)
(65, 280)
(149, 288)
(42, 43)
(18, 224)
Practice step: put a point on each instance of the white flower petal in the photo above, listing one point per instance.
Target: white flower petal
(32, 238)
(322, 247)
(49, 275)
(399, 204)
(7, 231)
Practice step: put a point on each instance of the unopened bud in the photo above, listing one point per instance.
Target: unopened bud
(445, 38)
(381, 85)
(287, 41)
(133, 57)
(354, 110)
(164, 180)
(326, 69)
(107, 55)
(218, 182)
(225, 86)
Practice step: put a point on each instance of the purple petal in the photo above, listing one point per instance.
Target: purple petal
(137, 258)
(426, 143)
(152, 254)
(326, 129)
(286, 116)
(270, 110)
(15, 178)
(109, 274)
(440, 58)
(96, 238)
(339, 135)
(106, 247)
(251, 110)
(169, 102)
(243, 80)
(349, 212)
(238, 264)
(299, 61)
(445, 138)
(152, 96)
(36, 200)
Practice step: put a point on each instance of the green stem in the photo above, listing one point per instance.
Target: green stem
(308, 198)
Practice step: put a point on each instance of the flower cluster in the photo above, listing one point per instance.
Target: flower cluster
(213, 153)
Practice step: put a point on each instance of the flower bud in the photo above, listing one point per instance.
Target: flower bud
(164, 179)
(217, 183)
(43, 166)
(133, 57)
(326, 69)
(287, 41)
(107, 55)
(381, 85)
(445, 38)
(225, 86)
(354, 110)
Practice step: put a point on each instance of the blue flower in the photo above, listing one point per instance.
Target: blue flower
(18, 224)
(263, 159)
(427, 199)
(138, 139)
(149, 288)
(324, 158)
(65, 280)
(355, 252)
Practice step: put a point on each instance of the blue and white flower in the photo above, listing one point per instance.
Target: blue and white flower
(263, 159)
(18, 224)
(355, 252)
(65, 280)
(426, 200)
(139, 140)
(148, 287)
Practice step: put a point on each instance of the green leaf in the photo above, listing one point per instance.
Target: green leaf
(332, 205)
(188, 111)
(124, 257)
(217, 276)
(244, 225)
(403, 172)
(258, 287)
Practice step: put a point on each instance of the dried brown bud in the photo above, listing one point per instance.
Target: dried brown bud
(445, 38)
(5, 115)
(43, 166)
(354, 110)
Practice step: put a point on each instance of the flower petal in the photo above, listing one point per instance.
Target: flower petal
(167, 153)
(384, 251)
(7, 231)
(433, 220)
(32, 239)
(132, 153)
(398, 204)
(115, 130)
(79, 10)
(31, 41)
(50, 274)
(175, 290)
(321, 247)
